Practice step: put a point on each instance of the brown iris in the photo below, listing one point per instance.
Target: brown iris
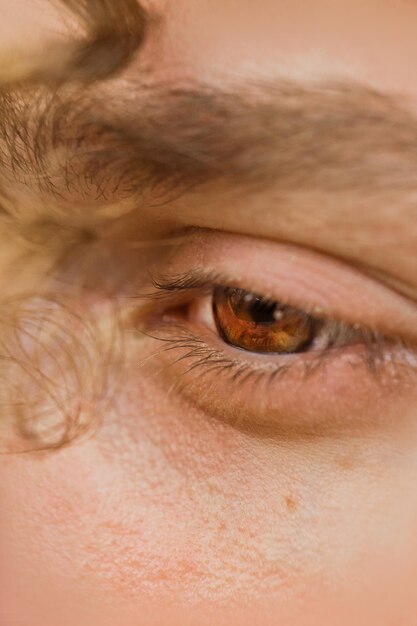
(253, 323)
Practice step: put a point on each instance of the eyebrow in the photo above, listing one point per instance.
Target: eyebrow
(134, 139)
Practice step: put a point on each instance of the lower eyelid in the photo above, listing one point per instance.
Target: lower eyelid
(292, 393)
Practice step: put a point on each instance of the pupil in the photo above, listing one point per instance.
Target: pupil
(250, 307)
(263, 312)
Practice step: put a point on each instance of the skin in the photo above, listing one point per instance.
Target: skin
(167, 514)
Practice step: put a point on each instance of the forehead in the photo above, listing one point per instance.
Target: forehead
(371, 41)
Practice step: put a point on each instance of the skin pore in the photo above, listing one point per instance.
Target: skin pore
(269, 146)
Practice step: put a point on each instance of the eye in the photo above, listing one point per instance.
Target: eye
(276, 336)
(249, 321)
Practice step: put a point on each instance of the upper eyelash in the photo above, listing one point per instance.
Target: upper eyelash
(187, 281)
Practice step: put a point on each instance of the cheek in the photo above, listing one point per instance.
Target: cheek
(166, 504)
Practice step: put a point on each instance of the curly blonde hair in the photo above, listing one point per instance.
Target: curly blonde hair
(54, 357)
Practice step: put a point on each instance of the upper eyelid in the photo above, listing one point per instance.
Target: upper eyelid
(204, 284)
(293, 275)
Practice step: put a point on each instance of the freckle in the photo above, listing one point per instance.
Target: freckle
(291, 504)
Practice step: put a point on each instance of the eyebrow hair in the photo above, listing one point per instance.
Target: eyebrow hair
(65, 138)
(332, 136)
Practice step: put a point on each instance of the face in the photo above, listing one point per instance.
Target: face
(226, 341)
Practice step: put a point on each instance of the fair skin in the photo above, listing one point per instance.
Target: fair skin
(213, 501)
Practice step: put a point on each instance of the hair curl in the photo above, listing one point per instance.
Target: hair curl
(58, 364)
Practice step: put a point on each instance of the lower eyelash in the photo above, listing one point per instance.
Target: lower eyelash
(206, 359)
